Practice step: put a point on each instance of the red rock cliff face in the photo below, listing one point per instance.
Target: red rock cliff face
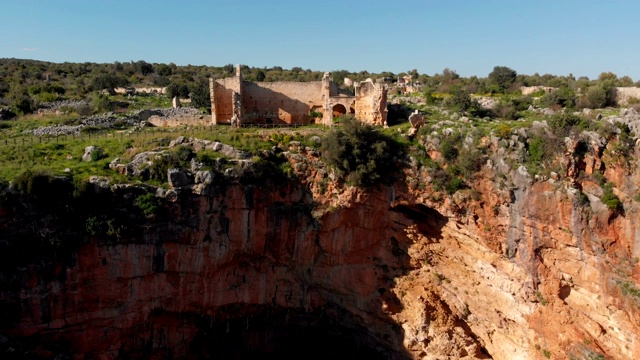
(250, 260)
(518, 271)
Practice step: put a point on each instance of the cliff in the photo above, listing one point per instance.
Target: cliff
(512, 267)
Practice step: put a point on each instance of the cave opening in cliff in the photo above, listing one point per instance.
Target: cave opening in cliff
(265, 332)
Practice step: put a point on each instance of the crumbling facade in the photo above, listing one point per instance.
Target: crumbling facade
(238, 102)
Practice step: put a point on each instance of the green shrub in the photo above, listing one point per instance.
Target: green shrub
(161, 165)
(505, 111)
(610, 199)
(184, 153)
(541, 149)
(470, 161)
(210, 158)
(599, 178)
(101, 103)
(460, 100)
(149, 204)
(104, 227)
(315, 114)
(362, 154)
(625, 143)
(564, 97)
(581, 200)
(503, 131)
(80, 186)
(30, 182)
(596, 97)
(273, 167)
(448, 146)
(454, 185)
(446, 180)
(536, 150)
(563, 122)
(522, 103)
(97, 154)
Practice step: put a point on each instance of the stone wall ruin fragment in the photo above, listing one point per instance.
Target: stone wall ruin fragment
(294, 103)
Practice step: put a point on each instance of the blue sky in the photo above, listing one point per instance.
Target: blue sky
(471, 37)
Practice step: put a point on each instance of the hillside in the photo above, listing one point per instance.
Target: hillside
(492, 225)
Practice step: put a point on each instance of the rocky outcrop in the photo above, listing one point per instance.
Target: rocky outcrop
(92, 153)
(6, 114)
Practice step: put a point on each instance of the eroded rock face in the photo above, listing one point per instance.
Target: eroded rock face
(517, 271)
(226, 267)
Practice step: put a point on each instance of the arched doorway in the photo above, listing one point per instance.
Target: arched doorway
(339, 109)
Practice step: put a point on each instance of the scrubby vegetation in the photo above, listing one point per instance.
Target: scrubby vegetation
(467, 120)
(361, 154)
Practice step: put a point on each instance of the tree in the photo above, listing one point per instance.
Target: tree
(460, 100)
(163, 70)
(143, 67)
(596, 97)
(20, 102)
(179, 90)
(564, 97)
(503, 77)
(200, 96)
(604, 76)
(4, 88)
(108, 82)
(258, 74)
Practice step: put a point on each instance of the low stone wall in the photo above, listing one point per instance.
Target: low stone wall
(177, 121)
(148, 90)
(528, 90)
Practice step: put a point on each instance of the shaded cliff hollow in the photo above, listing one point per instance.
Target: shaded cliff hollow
(239, 271)
(510, 265)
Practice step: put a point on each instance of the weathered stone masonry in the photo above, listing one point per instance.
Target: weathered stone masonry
(293, 102)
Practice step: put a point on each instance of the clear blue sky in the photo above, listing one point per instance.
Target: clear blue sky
(584, 37)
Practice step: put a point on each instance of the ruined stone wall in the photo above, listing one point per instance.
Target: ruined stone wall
(281, 102)
(222, 99)
(177, 121)
(292, 102)
(371, 103)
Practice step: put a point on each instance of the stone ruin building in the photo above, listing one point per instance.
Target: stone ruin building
(238, 102)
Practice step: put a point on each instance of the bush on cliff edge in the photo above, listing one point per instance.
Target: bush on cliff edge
(361, 154)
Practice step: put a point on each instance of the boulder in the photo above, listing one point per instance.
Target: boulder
(114, 164)
(204, 177)
(6, 114)
(228, 151)
(92, 153)
(177, 178)
(141, 162)
(316, 139)
(178, 141)
(416, 119)
(100, 183)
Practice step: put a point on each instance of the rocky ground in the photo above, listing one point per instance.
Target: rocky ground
(112, 120)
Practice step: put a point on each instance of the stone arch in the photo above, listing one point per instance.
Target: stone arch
(339, 109)
(352, 108)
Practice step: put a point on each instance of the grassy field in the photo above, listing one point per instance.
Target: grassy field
(19, 152)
